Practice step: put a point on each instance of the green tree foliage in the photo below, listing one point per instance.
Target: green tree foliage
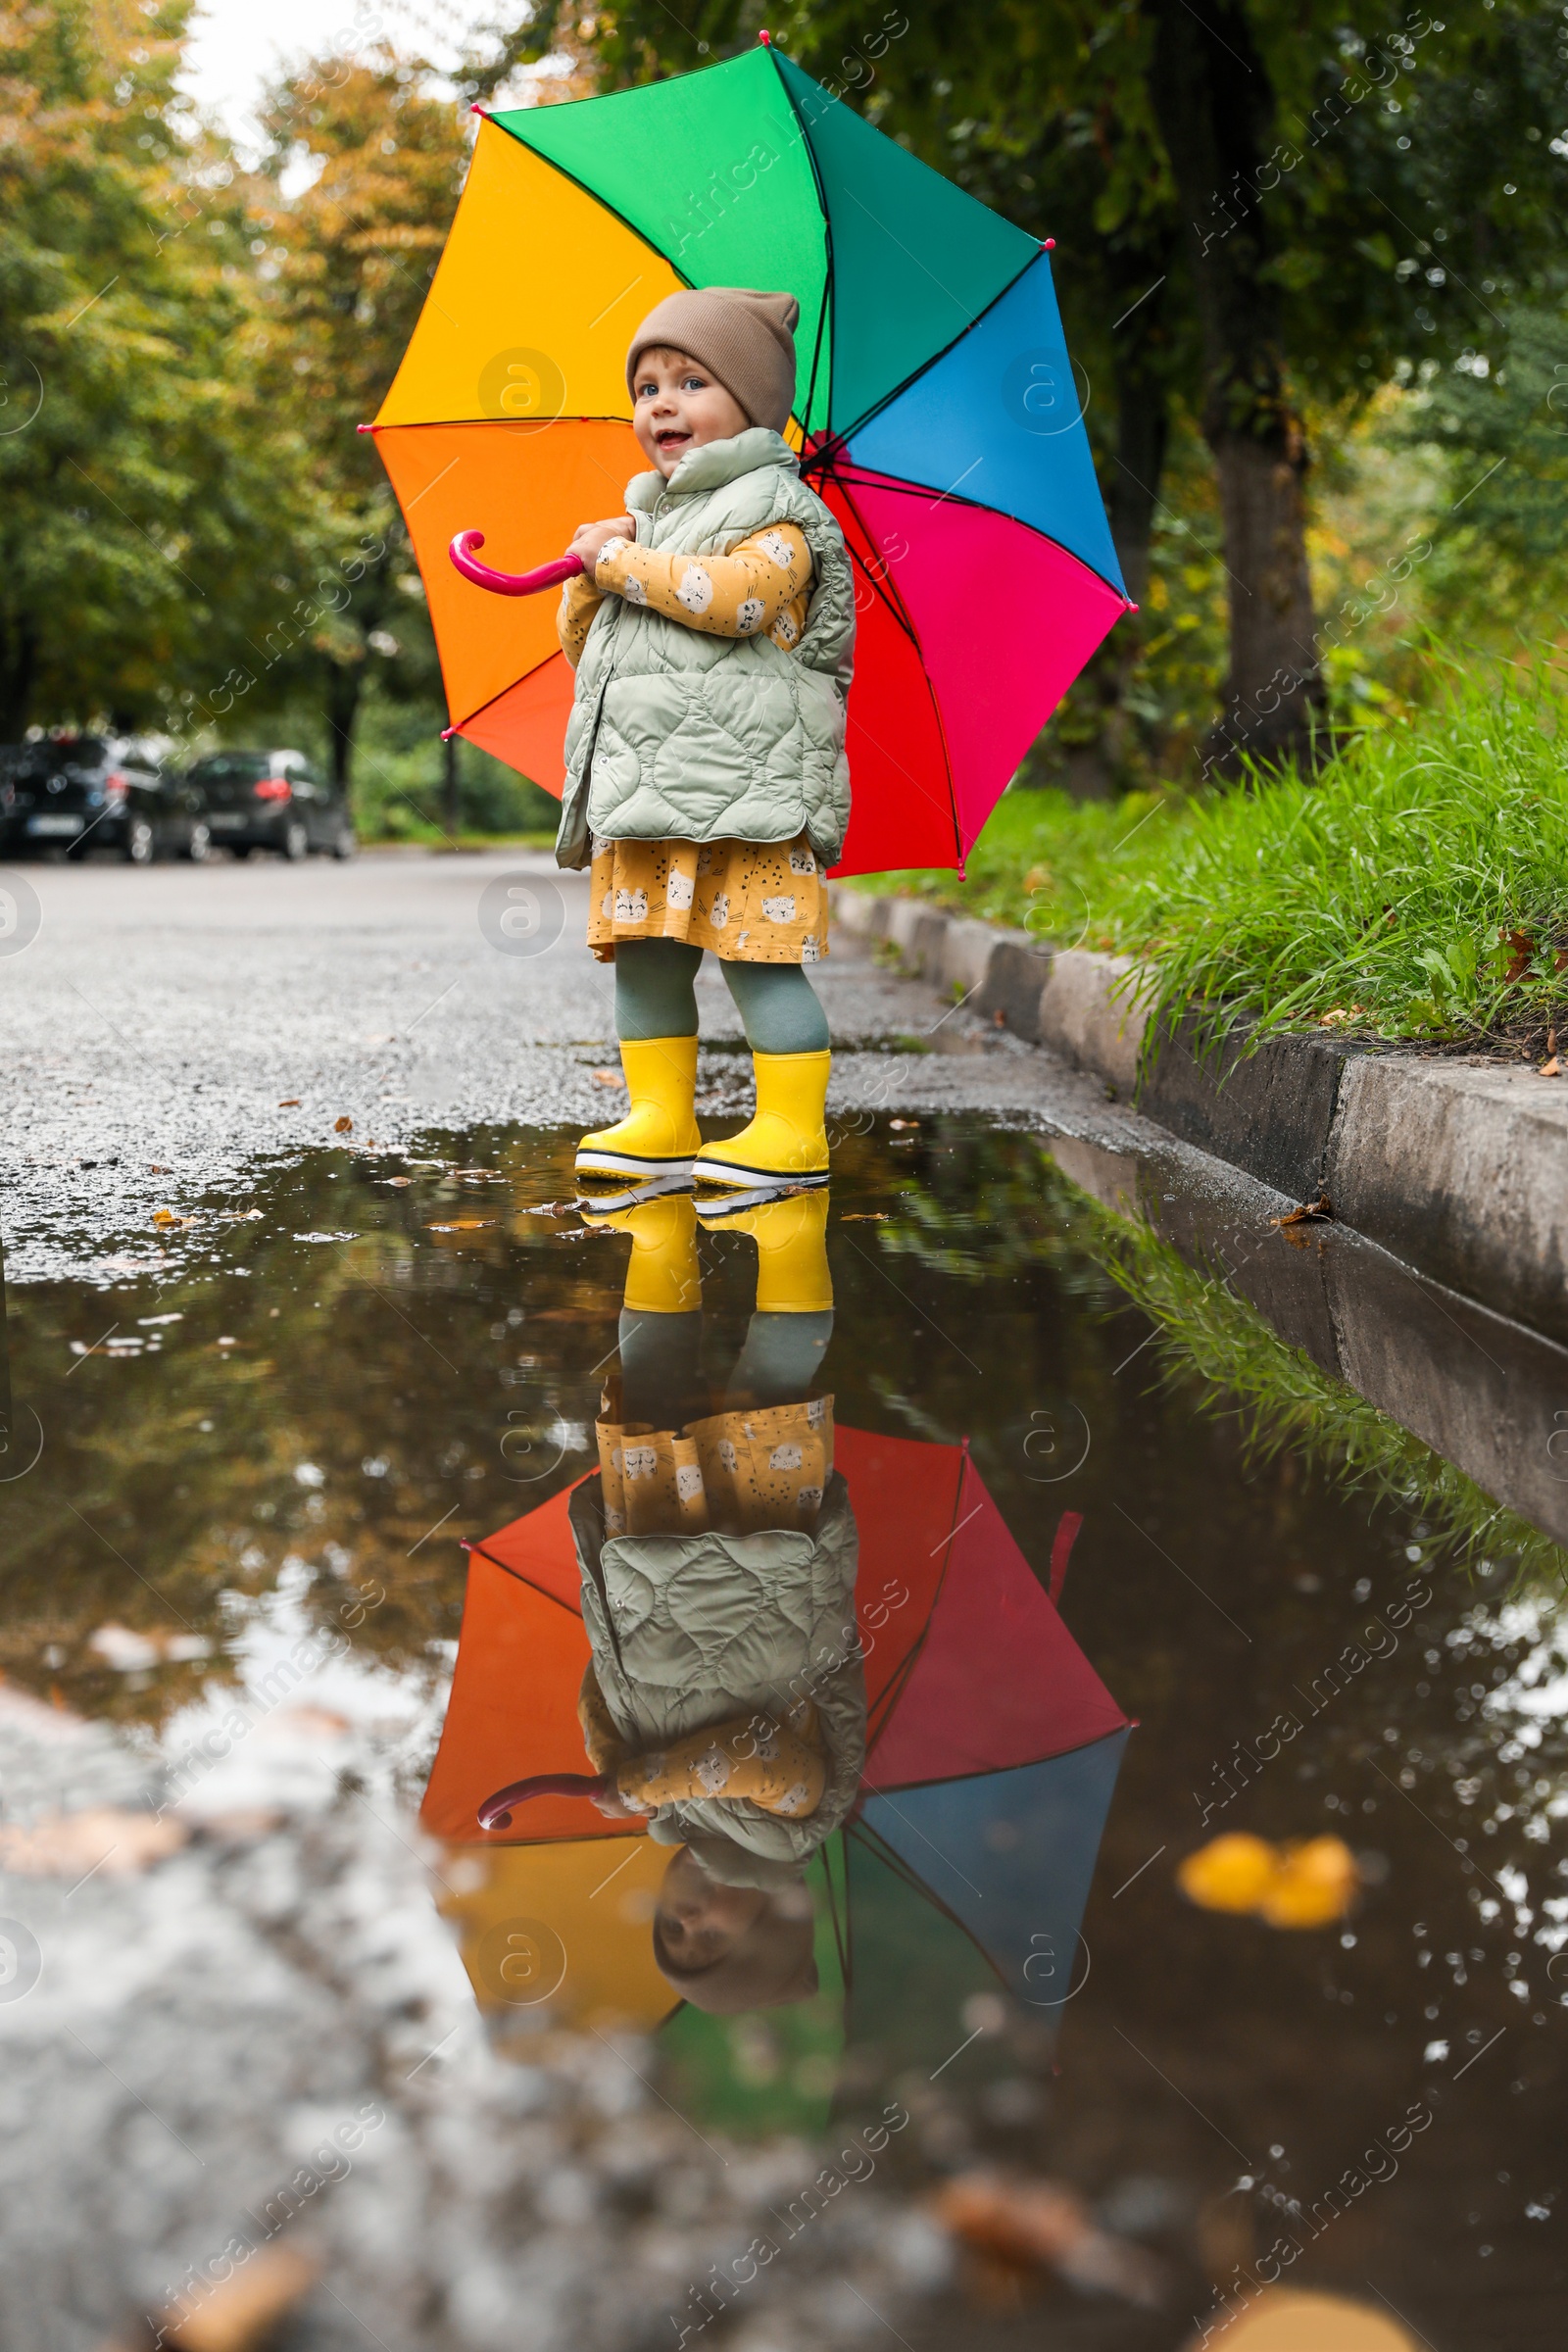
(1261, 215)
(1500, 418)
(139, 467)
(345, 261)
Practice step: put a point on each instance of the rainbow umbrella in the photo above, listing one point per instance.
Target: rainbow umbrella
(992, 1755)
(936, 414)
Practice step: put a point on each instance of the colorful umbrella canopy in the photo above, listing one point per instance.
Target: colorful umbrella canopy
(993, 1752)
(936, 412)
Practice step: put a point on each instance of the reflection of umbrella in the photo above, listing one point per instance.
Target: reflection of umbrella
(936, 414)
(994, 1750)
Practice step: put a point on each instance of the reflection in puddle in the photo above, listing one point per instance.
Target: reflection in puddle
(873, 1616)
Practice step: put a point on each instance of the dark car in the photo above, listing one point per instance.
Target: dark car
(272, 801)
(81, 793)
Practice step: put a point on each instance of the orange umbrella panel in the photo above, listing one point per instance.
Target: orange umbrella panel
(531, 489)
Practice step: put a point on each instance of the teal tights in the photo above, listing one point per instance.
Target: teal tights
(654, 997)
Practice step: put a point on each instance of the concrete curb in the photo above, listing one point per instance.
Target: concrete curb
(1461, 1172)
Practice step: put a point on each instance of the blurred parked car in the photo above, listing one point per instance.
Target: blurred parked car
(81, 793)
(272, 801)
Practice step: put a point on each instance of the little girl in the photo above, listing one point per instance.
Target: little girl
(711, 633)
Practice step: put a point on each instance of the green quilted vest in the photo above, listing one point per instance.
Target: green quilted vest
(675, 735)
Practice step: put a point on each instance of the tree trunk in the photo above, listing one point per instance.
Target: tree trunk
(1217, 115)
(1143, 412)
(19, 669)
(345, 683)
(451, 792)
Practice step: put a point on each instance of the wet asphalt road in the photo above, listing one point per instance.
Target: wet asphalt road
(159, 1019)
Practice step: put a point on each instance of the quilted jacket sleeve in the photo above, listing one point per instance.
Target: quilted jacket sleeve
(762, 586)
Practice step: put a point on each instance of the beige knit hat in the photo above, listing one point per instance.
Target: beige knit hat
(746, 339)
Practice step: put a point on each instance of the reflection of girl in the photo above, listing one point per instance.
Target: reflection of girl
(719, 1551)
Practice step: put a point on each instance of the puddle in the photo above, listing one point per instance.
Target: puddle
(1080, 1570)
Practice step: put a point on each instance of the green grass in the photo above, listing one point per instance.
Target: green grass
(1418, 887)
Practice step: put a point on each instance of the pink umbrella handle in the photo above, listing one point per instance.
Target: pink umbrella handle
(496, 1811)
(508, 584)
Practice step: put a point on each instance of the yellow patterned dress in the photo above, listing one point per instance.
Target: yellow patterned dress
(737, 1473)
(750, 902)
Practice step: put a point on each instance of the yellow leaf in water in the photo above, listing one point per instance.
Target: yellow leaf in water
(1315, 1882)
(1230, 1874)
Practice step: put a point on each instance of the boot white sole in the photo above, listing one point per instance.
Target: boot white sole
(595, 1162)
(734, 1173)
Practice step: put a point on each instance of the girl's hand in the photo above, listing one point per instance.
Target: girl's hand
(615, 1807)
(589, 539)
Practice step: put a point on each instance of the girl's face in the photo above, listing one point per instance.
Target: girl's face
(678, 406)
(698, 1920)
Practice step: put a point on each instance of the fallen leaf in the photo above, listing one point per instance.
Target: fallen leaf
(343, 1126)
(1046, 2225)
(1523, 947)
(1304, 1883)
(166, 1216)
(102, 1837)
(1309, 1212)
(903, 1122)
(289, 1102)
(462, 1225)
(606, 1078)
(1551, 1069)
(866, 1217)
(1232, 1873)
(1559, 962)
(397, 1180)
(155, 1170)
(241, 2310)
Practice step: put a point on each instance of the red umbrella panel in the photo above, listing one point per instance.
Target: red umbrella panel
(969, 1668)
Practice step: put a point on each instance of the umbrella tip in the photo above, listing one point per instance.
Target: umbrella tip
(1050, 244)
(446, 734)
(365, 428)
(476, 109)
(1131, 606)
(764, 39)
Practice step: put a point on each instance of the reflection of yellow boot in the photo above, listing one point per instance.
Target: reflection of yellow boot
(791, 1237)
(786, 1141)
(663, 1276)
(658, 1135)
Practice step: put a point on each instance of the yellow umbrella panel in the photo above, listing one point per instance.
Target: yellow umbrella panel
(509, 412)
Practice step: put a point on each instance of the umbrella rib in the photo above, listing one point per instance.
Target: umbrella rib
(824, 313)
(841, 440)
(520, 1579)
(499, 694)
(630, 226)
(896, 607)
(868, 479)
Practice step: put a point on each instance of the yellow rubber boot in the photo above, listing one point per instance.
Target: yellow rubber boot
(658, 1135)
(791, 1237)
(663, 1276)
(786, 1141)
